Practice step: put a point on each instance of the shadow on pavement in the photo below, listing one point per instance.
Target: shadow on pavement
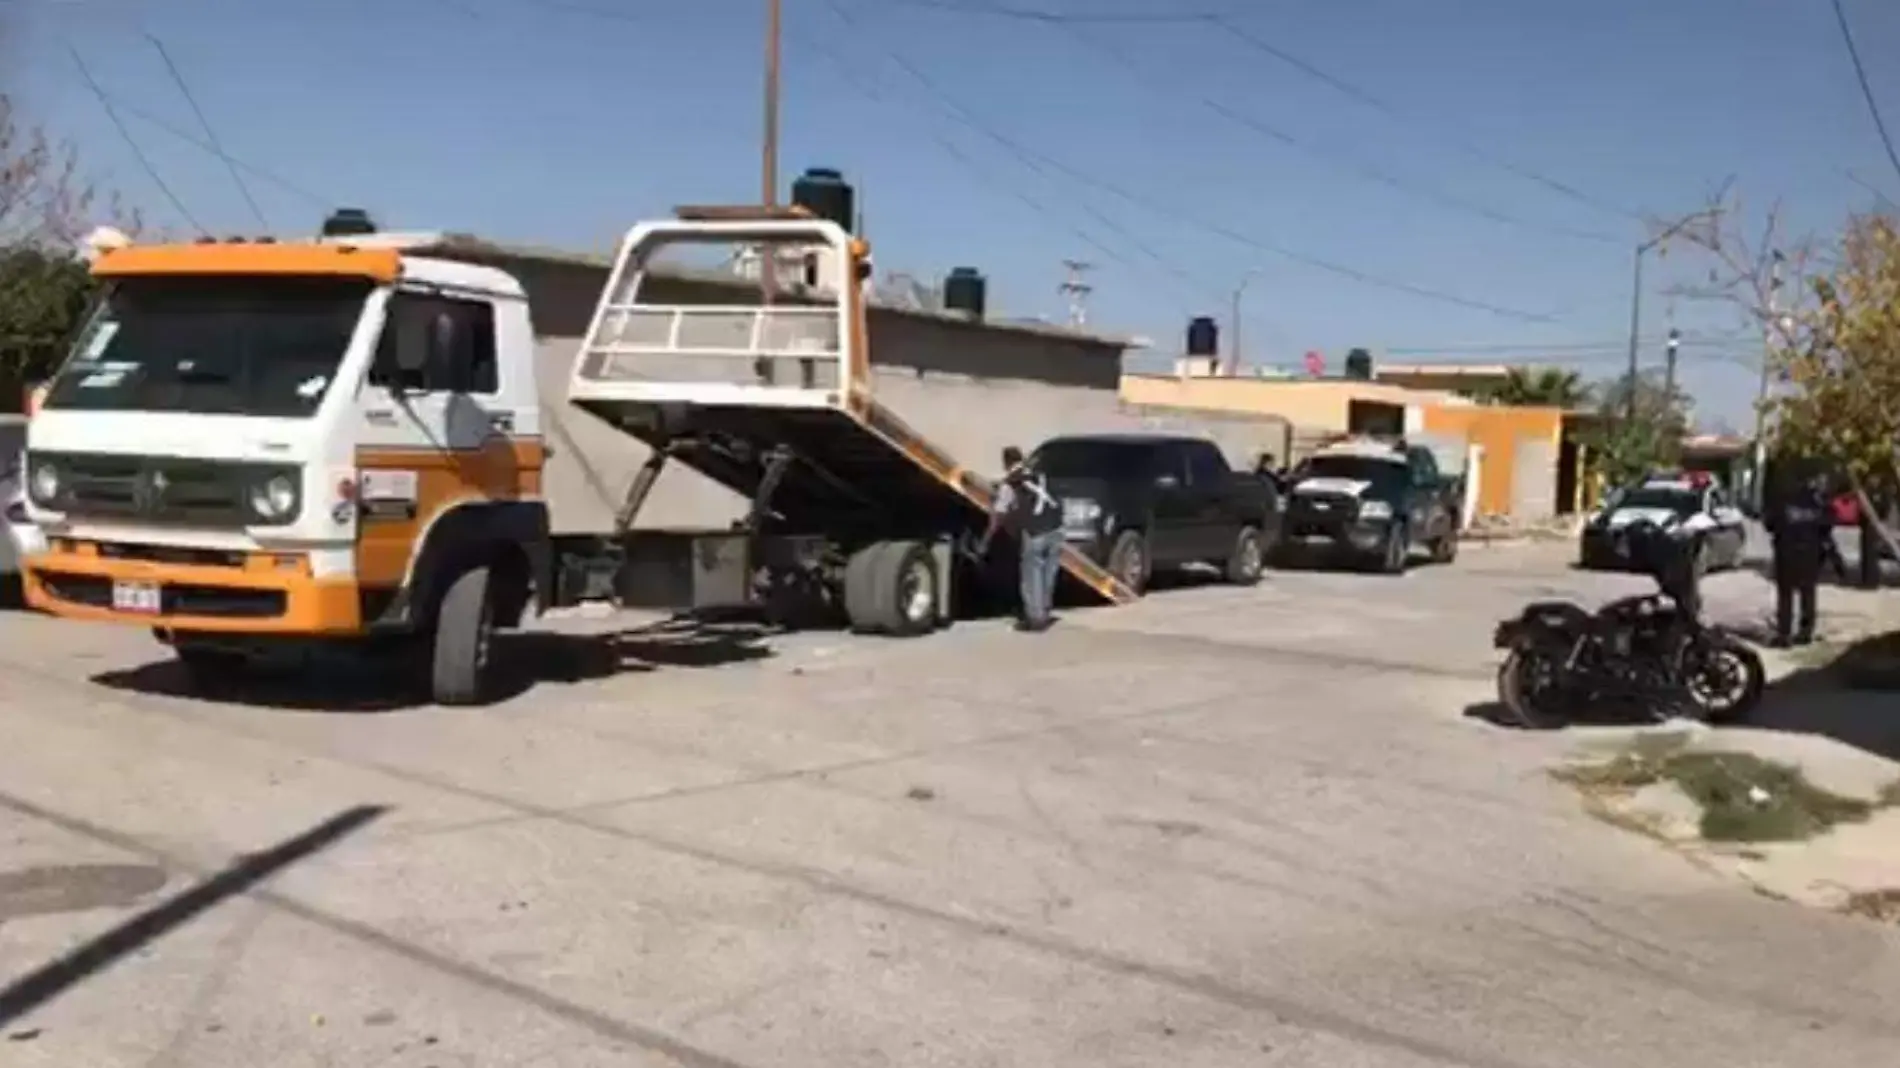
(1853, 698)
(41, 985)
(345, 681)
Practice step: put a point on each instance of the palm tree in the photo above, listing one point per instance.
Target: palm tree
(1547, 387)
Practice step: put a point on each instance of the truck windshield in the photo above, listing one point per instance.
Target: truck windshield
(1384, 476)
(1093, 459)
(212, 346)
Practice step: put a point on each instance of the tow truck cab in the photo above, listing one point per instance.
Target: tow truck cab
(257, 442)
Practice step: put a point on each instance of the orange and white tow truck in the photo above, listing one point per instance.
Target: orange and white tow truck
(255, 444)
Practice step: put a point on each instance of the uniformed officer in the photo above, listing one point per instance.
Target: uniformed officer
(1798, 520)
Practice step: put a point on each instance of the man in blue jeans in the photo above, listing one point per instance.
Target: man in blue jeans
(1024, 507)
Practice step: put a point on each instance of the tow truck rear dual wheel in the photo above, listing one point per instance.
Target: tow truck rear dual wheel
(891, 588)
(460, 662)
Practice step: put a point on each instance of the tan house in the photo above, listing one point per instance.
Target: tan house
(1526, 465)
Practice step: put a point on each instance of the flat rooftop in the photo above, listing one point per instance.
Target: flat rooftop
(453, 245)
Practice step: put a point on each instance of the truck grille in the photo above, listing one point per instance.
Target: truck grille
(1322, 508)
(158, 489)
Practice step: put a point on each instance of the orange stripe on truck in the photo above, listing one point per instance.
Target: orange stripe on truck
(501, 470)
(309, 605)
(234, 258)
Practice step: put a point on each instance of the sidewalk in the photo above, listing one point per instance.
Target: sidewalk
(1841, 740)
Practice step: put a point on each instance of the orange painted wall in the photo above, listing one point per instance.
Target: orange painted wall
(1498, 431)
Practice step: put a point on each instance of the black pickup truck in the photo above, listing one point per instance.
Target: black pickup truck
(1372, 502)
(1138, 503)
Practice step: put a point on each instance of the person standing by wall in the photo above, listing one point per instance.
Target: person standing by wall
(1024, 507)
(1798, 519)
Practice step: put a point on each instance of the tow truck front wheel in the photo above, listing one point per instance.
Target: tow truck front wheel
(460, 662)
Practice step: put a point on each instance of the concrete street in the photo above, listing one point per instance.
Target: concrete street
(1221, 827)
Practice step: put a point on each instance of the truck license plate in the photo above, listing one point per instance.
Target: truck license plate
(140, 597)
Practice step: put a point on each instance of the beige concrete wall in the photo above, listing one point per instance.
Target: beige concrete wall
(1318, 403)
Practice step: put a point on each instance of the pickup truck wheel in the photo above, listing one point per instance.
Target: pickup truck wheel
(1392, 560)
(1244, 564)
(1128, 561)
(464, 633)
(896, 586)
(1445, 547)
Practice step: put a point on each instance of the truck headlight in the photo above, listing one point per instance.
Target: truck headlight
(44, 483)
(1078, 511)
(274, 497)
(1375, 510)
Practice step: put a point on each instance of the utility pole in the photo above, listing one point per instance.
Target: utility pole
(1076, 290)
(768, 176)
(1233, 330)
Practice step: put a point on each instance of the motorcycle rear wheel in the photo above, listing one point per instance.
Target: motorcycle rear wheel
(1526, 689)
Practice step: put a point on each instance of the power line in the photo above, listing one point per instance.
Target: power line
(1866, 90)
(204, 123)
(193, 139)
(1218, 229)
(1223, 21)
(137, 152)
(1378, 103)
(1358, 166)
(1137, 18)
(1173, 271)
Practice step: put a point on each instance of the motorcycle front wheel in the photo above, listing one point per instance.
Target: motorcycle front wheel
(1527, 688)
(1725, 678)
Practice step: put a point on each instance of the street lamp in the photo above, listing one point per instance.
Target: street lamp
(1636, 294)
(1669, 374)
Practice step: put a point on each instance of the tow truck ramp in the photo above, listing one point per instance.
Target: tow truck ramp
(774, 400)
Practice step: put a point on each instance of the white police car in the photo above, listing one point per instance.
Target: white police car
(1688, 503)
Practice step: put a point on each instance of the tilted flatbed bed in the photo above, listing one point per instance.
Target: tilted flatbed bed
(774, 402)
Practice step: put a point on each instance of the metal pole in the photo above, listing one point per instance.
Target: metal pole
(1669, 372)
(1233, 339)
(768, 169)
(768, 174)
(1233, 343)
(1636, 318)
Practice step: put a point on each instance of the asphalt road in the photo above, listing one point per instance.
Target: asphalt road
(1221, 827)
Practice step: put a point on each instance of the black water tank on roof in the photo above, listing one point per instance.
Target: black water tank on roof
(1359, 365)
(965, 291)
(1203, 336)
(348, 222)
(824, 192)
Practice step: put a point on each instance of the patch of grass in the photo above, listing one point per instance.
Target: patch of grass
(1743, 797)
(1747, 799)
(1882, 905)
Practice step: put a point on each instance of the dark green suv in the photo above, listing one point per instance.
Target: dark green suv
(1371, 503)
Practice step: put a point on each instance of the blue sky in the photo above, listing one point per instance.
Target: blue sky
(562, 121)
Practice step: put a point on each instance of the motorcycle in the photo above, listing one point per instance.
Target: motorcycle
(1651, 652)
